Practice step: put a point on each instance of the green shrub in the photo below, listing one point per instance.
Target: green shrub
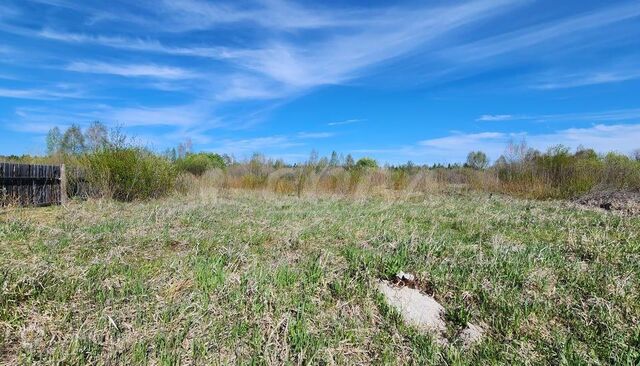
(621, 172)
(560, 174)
(198, 164)
(366, 163)
(128, 174)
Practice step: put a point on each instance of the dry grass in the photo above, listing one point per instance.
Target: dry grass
(227, 277)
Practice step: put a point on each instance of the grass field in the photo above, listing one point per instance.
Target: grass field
(251, 279)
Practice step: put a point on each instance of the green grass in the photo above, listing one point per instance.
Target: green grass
(248, 279)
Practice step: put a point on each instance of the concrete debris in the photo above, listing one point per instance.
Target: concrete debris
(417, 309)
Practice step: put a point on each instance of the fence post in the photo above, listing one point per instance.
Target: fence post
(63, 185)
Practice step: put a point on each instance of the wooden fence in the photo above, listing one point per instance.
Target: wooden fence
(32, 184)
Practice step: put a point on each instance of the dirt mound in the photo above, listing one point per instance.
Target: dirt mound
(627, 202)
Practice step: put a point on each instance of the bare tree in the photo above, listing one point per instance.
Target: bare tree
(516, 151)
(73, 141)
(96, 136)
(188, 146)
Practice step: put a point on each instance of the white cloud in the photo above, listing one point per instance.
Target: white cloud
(339, 46)
(39, 94)
(604, 116)
(272, 145)
(180, 116)
(568, 80)
(460, 140)
(495, 117)
(255, 144)
(186, 118)
(135, 44)
(132, 70)
(34, 127)
(280, 67)
(622, 138)
(186, 15)
(529, 37)
(346, 122)
(601, 137)
(315, 135)
(338, 59)
(240, 86)
(178, 123)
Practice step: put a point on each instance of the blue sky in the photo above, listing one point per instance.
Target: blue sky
(425, 81)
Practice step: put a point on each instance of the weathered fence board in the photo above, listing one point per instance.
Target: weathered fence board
(31, 184)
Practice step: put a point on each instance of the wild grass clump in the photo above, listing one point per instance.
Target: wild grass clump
(205, 185)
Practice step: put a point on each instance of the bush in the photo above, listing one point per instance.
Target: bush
(366, 163)
(620, 172)
(128, 174)
(198, 164)
(560, 174)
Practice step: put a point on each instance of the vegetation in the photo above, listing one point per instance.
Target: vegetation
(560, 174)
(263, 262)
(198, 164)
(366, 163)
(557, 173)
(477, 160)
(127, 173)
(250, 278)
(102, 163)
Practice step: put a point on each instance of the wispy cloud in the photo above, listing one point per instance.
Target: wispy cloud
(461, 140)
(346, 122)
(130, 43)
(181, 116)
(568, 80)
(7, 11)
(245, 58)
(454, 148)
(132, 70)
(239, 86)
(315, 135)
(495, 117)
(39, 94)
(539, 34)
(194, 117)
(284, 67)
(602, 116)
(34, 127)
(6, 50)
(276, 145)
(270, 14)
(339, 59)
(247, 146)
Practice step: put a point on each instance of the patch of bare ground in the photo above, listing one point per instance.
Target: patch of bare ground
(625, 202)
(407, 296)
